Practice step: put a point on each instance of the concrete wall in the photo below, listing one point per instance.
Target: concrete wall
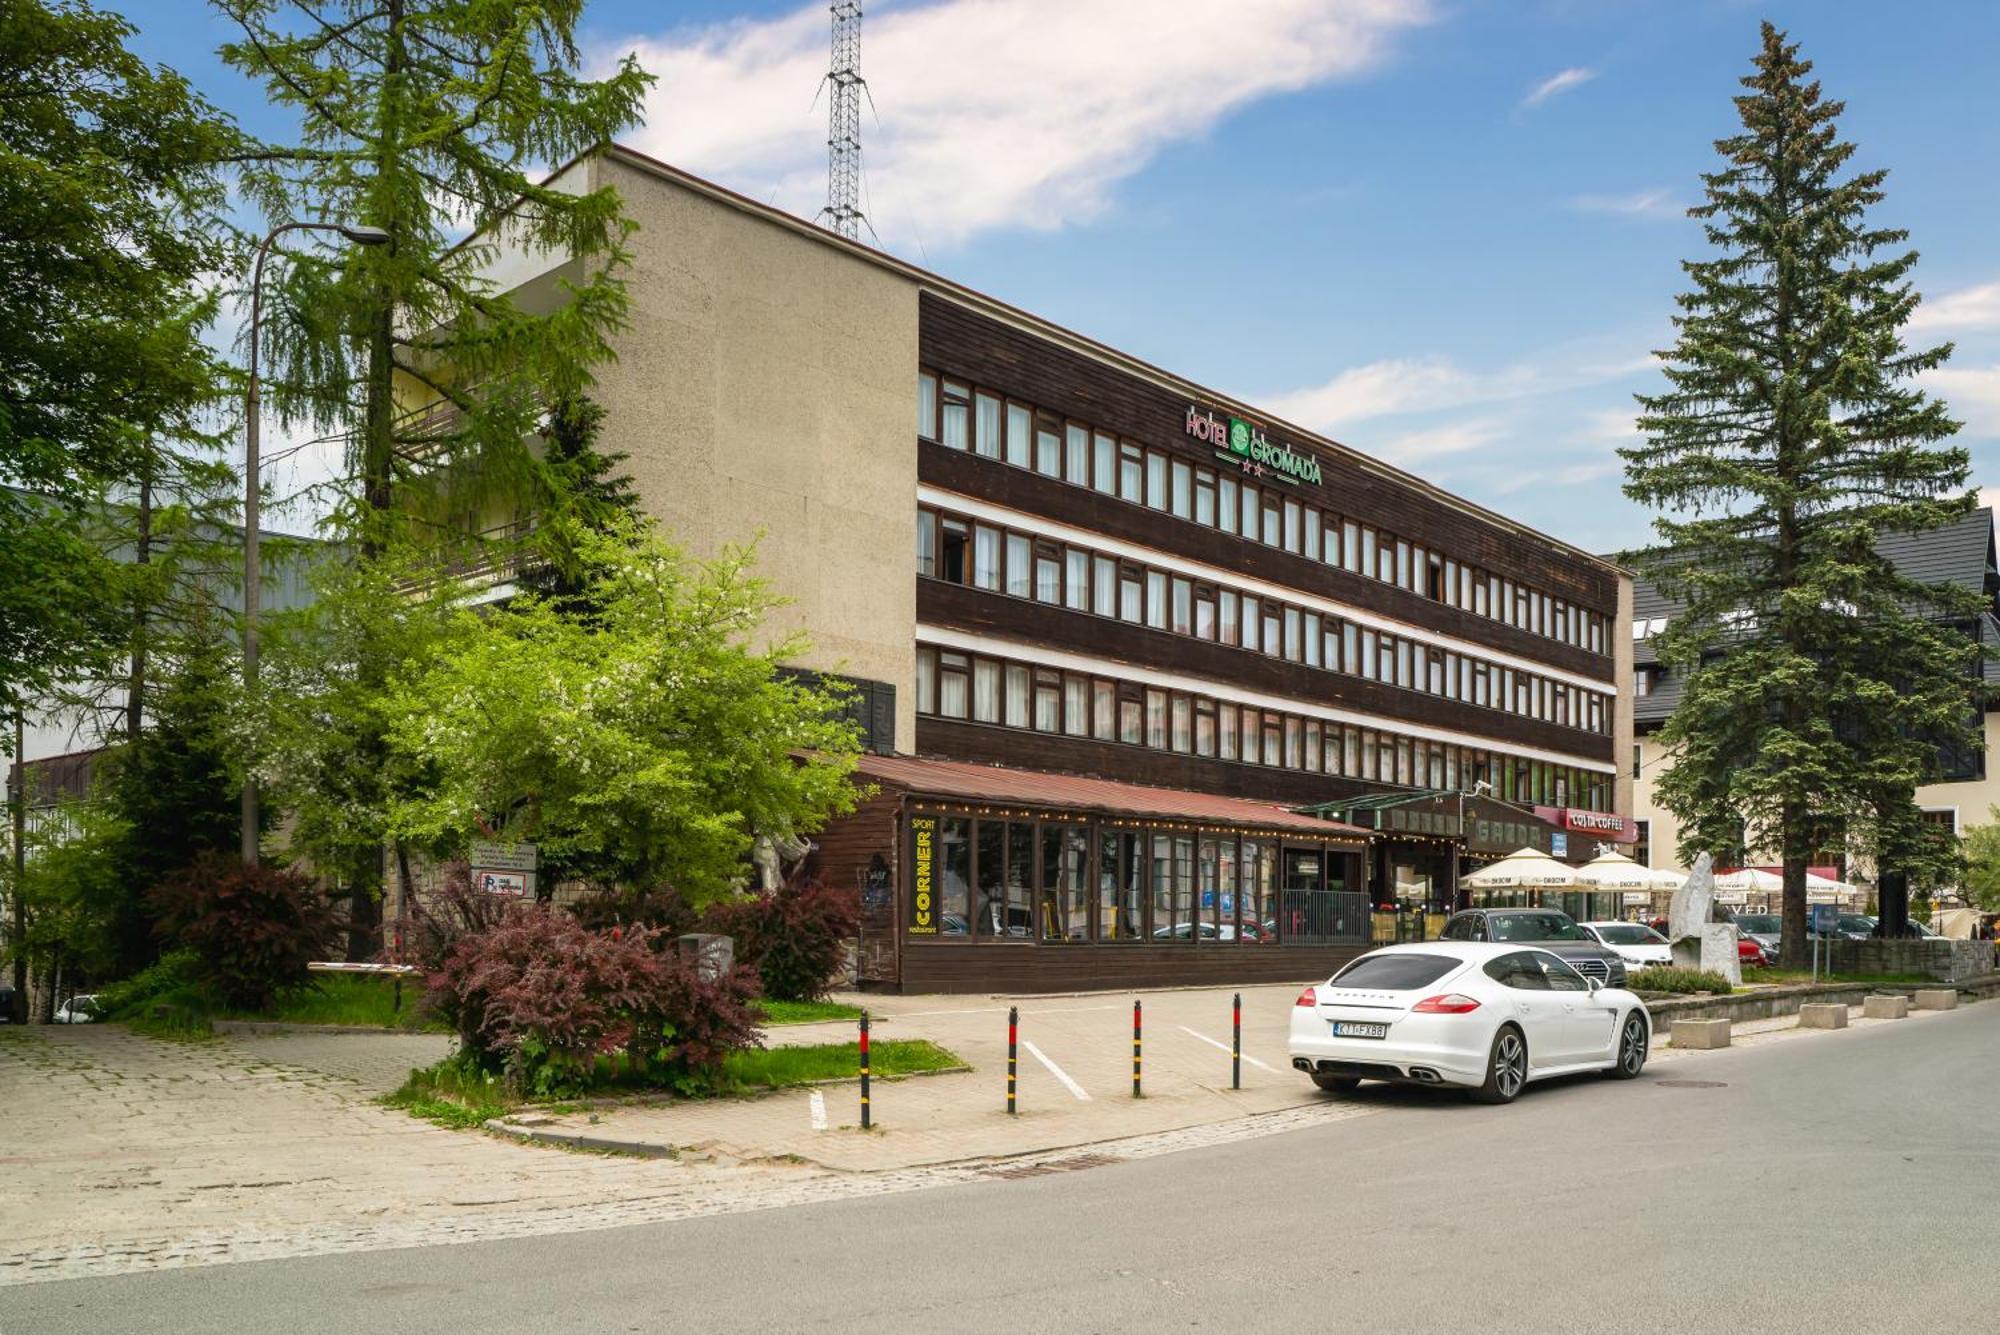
(768, 382)
(1945, 961)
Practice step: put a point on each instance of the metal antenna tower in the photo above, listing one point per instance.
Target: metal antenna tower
(843, 128)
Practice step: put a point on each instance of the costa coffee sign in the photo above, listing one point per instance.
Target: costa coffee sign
(1601, 823)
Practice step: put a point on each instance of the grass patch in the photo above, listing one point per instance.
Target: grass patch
(1805, 976)
(452, 1094)
(804, 1012)
(777, 1068)
(1681, 982)
(352, 999)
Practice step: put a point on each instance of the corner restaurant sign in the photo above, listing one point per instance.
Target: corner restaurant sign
(1236, 439)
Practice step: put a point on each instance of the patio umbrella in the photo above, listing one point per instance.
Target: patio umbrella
(1750, 878)
(1614, 871)
(1523, 869)
(1666, 878)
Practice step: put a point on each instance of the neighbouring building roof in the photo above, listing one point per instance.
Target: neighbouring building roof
(968, 782)
(1960, 553)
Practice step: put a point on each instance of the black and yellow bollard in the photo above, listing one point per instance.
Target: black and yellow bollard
(1013, 1034)
(1135, 1050)
(865, 1120)
(1236, 1042)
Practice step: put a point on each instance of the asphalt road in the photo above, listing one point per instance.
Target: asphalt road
(1830, 1183)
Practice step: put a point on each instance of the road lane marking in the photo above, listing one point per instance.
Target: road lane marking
(1055, 1070)
(1225, 1047)
(817, 1102)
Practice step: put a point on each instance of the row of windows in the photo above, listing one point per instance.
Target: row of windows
(1065, 882)
(983, 689)
(965, 551)
(960, 416)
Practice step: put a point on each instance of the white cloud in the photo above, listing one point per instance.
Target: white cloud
(1972, 393)
(1560, 82)
(1414, 447)
(1655, 203)
(1018, 114)
(1396, 386)
(1968, 308)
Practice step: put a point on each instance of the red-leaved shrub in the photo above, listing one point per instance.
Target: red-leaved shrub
(432, 923)
(793, 938)
(253, 930)
(542, 997)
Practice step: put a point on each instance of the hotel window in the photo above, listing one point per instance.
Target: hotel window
(926, 542)
(1226, 505)
(1183, 723)
(1273, 631)
(1334, 662)
(985, 691)
(1156, 480)
(1355, 551)
(1131, 719)
(1369, 564)
(1294, 526)
(1020, 435)
(1020, 565)
(1435, 684)
(1273, 523)
(1183, 606)
(1017, 695)
(1312, 639)
(1077, 588)
(1274, 741)
(1048, 447)
(1294, 640)
(1253, 735)
(1351, 655)
(954, 684)
(1183, 490)
(1312, 746)
(1315, 545)
(1204, 498)
(1076, 705)
(1404, 676)
(1156, 599)
(1204, 727)
(1253, 625)
(927, 406)
(1156, 719)
(1204, 611)
(1294, 758)
(1253, 510)
(1131, 595)
(1437, 584)
(957, 406)
(927, 681)
(1103, 710)
(1105, 466)
(1048, 702)
(1076, 456)
(1104, 587)
(1225, 731)
(1048, 574)
(986, 426)
(954, 540)
(1402, 575)
(1131, 474)
(986, 557)
(1420, 570)
(1351, 744)
(1226, 609)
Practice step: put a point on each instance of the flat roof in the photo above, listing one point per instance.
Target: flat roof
(1085, 344)
(966, 781)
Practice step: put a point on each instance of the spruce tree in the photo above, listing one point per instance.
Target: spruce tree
(1820, 681)
(588, 492)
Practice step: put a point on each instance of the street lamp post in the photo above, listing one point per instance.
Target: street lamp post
(252, 573)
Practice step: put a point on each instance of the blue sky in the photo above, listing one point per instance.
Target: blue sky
(1445, 233)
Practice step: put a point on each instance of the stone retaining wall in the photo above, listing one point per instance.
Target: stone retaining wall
(1945, 960)
(1768, 1002)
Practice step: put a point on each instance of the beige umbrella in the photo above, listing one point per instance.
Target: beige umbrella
(1666, 878)
(1614, 871)
(1523, 869)
(1750, 878)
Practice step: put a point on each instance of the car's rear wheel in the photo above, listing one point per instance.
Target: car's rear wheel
(1506, 1068)
(1338, 1084)
(1633, 1044)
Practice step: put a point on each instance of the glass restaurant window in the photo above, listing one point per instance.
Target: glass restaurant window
(1121, 880)
(954, 875)
(1020, 909)
(989, 899)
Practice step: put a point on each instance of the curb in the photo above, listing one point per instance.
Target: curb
(638, 1149)
(292, 1027)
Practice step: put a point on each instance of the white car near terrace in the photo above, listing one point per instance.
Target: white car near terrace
(1486, 1017)
(1637, 944)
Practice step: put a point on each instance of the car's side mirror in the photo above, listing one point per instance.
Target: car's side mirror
(1592, 984)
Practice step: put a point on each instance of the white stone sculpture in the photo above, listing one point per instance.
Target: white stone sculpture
(1697, 942)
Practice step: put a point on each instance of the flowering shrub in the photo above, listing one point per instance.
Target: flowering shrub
(556, 1005)
(431, 924)
(792, 938)
(252, 930)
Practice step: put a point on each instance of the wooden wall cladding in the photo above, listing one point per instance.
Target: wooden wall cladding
(963, 343)
(1002, 967)
(1039, 625)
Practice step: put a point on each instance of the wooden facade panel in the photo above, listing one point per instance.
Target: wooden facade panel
(999, 356)
(1001, 967)
(1041, 625)
(1017, 488)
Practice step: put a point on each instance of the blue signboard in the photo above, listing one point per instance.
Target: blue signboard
(1559, 845)
(1825, 919)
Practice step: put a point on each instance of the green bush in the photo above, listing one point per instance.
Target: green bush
(793, 938)
(1661, 978)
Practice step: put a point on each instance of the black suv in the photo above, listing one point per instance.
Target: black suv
(1553, 931)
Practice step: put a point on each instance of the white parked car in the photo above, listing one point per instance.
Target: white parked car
(77, 1010)
(1486, 1017)
(1637, 944)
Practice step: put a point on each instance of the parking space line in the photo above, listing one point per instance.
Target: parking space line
(1055, 1070)
(817, 1103)
(1225, 1047)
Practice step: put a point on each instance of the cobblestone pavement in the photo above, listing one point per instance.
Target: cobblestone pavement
(120, 1153)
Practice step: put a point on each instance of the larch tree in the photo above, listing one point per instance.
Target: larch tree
(1821, 682)
(435, 122)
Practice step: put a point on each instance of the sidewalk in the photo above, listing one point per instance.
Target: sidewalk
(1074, 1084)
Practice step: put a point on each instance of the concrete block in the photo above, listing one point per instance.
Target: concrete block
(1884, 1008)
(1699, 1034)
(1821, 1015)
(1937, 999)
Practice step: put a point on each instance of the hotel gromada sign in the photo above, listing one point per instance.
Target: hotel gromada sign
(1245, 445)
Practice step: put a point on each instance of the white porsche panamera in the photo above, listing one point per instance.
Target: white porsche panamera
(1485, 1017)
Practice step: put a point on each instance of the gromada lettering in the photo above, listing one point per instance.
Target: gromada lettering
(1247, 444)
